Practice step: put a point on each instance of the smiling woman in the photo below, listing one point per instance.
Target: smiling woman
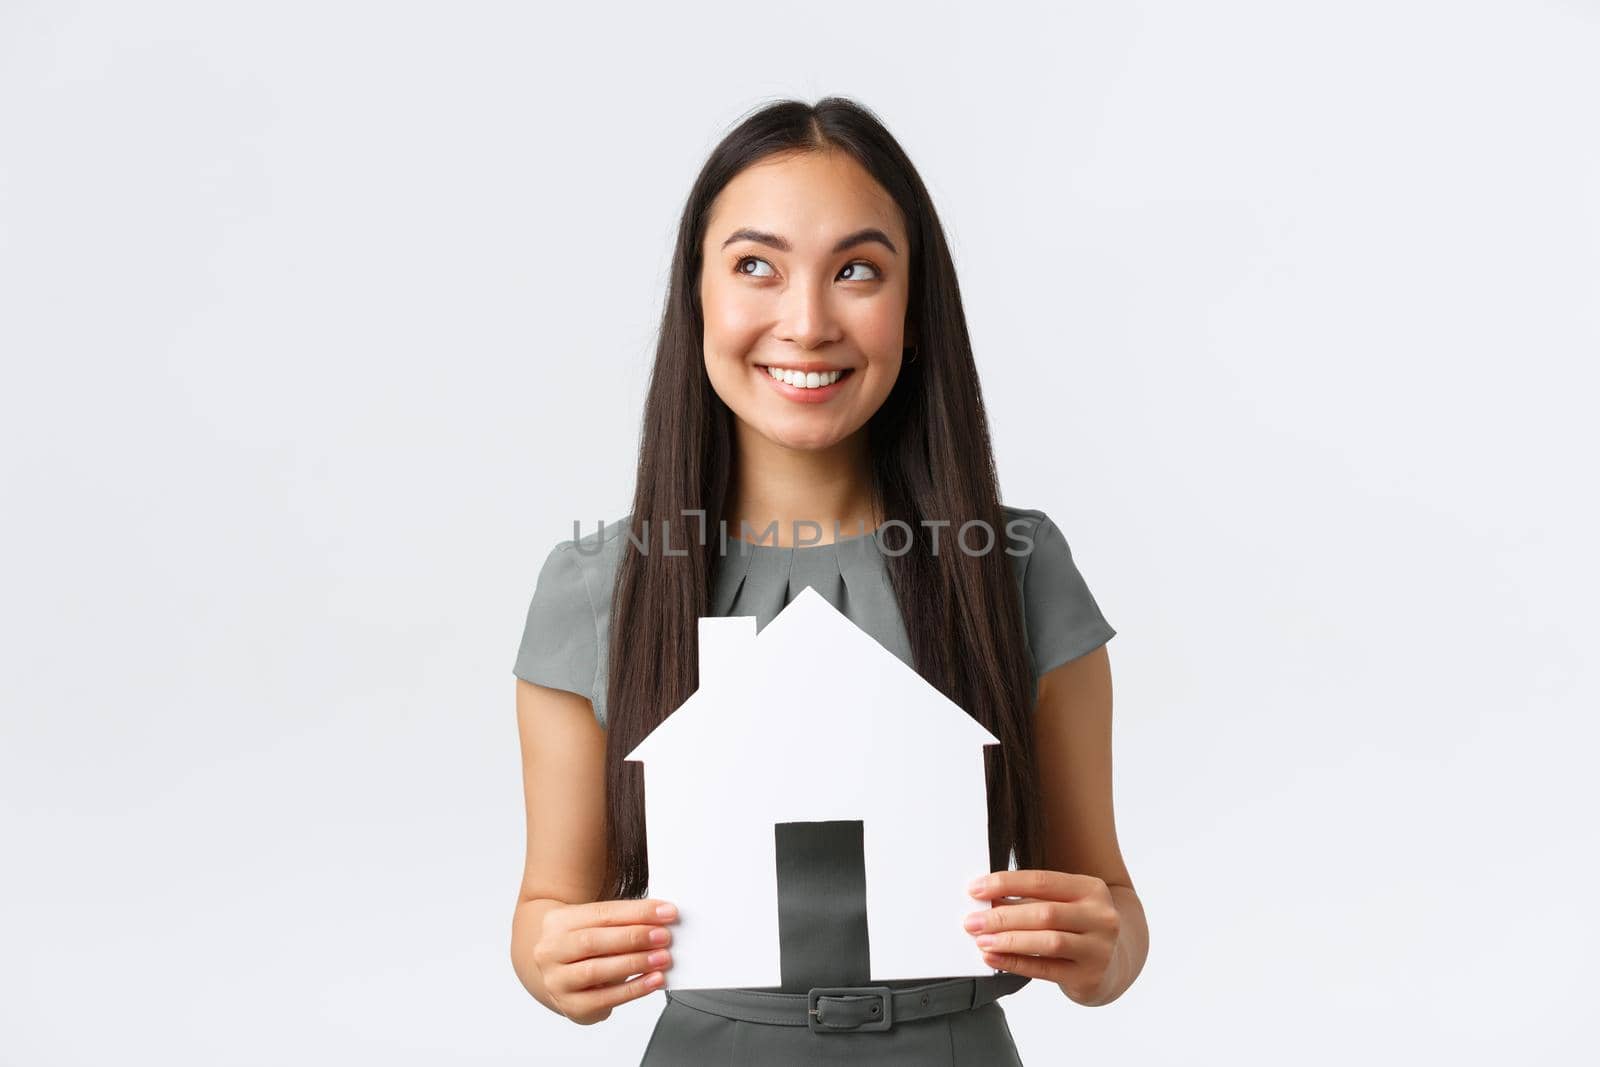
(814, 366)
(826, 293)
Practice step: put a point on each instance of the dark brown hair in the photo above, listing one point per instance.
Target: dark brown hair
(930, 458)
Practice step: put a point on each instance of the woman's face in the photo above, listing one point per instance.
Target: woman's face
(804, 267)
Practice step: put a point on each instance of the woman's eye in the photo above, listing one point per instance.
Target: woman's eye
(747, 265)
(740, 266)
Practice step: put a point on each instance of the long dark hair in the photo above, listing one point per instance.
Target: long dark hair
(930, 458)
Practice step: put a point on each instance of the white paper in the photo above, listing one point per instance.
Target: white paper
(812, 719)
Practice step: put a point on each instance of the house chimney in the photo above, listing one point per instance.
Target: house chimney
(723, 643)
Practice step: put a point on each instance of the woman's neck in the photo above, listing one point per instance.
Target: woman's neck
(774, 484)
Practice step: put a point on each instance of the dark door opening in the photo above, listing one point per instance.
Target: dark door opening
(822, 904)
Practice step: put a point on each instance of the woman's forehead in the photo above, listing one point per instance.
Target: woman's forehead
(810, 199)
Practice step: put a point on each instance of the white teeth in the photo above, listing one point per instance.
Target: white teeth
(813, 380)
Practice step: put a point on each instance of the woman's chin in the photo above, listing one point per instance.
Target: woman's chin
(801, 434)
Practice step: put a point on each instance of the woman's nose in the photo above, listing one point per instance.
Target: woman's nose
(808, 319)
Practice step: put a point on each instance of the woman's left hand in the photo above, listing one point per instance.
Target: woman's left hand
(1064, 928)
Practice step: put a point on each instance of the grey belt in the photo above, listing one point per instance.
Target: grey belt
(851, 1009)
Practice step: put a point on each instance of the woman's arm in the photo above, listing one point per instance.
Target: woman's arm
(1072, 737)
(563, 782)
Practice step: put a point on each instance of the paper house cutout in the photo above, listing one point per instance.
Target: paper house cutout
(808, 721)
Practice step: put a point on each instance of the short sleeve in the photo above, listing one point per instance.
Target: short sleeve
(560, 638)
(1062, 619)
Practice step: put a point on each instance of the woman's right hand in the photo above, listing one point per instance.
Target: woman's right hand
(585, 953)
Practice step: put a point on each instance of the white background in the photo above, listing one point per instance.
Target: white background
(1287, 313)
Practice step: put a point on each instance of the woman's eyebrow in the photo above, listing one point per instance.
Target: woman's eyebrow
(871, 233)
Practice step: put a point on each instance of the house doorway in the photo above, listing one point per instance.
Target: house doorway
(822, 904)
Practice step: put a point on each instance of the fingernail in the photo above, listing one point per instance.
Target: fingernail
(978, 885)
(666, 911)
(658, 936)
(656, 959)
(974, 922)
(985, 940)
(654, 978)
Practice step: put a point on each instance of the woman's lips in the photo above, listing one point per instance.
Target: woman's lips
(806, 396)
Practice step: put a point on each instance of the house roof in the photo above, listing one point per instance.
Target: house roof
(809, 673)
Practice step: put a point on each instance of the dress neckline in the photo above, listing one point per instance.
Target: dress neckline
(735, 543)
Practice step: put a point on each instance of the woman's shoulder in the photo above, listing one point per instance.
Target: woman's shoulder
(1020, 537)
(586, 563)
(594, 553)
(1034, 541)
(564, 630)
(1027, 519)
(1062, 618)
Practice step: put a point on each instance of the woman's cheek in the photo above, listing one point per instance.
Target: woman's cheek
(880, 327)
(883, 345)
(731, 329)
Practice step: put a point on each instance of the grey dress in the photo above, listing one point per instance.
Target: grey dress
(565, 646)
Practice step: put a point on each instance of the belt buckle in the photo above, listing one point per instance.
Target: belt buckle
(818, 1026)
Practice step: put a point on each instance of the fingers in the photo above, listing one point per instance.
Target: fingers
(1054, 970)
(1055, 943)
(588, 989)
(611, 913)
(590, 941)
(1050, 885)
(603, 971)
(596, 955)
(1028, 915)
(594, 1004)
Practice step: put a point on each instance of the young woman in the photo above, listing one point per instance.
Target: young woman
(814, 366)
